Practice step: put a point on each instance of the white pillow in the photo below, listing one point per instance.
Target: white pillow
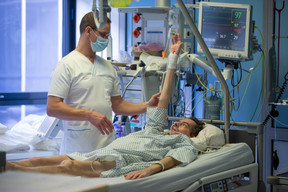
(209, 136)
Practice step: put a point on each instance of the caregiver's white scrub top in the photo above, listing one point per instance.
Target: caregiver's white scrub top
(84, 85)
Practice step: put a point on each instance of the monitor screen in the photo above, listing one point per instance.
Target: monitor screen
(226, 30)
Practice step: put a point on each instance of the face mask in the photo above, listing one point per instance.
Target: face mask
(99, 45)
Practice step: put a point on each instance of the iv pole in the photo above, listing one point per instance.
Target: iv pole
(214, 67)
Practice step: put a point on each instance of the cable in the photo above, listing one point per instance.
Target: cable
(196, 104)
(249, 73)
(232, 79)
(263, 76)
(276, 119)
(274, 112)
(263, 54)
(260, 34)
(243, 96)
(200, 79)
(232, 83)
(191, 102)
(278, 172)
(262, 85)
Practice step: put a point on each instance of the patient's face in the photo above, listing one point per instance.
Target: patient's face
(183, 126)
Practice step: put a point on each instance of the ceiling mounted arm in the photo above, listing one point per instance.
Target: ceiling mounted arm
(100, 13)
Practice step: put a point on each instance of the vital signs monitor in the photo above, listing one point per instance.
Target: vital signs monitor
(226, 30)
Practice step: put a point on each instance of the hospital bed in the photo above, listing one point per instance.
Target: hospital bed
(233, 167)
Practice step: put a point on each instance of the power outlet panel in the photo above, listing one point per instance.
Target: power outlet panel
(187, 33)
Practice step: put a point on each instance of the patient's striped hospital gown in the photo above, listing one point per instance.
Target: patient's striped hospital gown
(141, 149)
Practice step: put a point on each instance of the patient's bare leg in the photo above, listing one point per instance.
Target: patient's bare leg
(39, 161)
(71, 167)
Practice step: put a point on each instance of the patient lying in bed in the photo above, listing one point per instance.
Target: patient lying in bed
(137, 155)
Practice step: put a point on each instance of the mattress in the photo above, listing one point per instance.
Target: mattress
(175, 179)
(178, 178)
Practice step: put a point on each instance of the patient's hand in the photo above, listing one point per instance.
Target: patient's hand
(176, 44)
(139, 174)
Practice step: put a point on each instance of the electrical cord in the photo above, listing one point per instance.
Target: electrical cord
(249, 73)
(191, 102)
(262, 85)
(232, 83)
(243, 96)
(262, 55)
(263, 75)
(286, 125)
(198, 78)
(196, 104)
(232, 79)
(274, 112)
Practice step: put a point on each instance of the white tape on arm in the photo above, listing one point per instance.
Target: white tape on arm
(172, 61)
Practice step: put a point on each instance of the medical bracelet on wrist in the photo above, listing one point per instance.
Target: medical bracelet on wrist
(162, 165)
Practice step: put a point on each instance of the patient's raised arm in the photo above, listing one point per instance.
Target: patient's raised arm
(166, 162)
(171, 68)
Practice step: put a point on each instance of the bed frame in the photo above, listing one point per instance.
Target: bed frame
(247, 132)
(251, 134)
(250, 186)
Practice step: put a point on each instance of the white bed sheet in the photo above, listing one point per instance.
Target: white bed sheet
(228, 157)
(176, 179)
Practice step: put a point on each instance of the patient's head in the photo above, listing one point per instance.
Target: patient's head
(190, 127)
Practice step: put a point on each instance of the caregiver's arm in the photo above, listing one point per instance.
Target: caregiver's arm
(123, 107)
(167, 162)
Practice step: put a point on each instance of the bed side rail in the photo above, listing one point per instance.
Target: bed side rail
(226, 180)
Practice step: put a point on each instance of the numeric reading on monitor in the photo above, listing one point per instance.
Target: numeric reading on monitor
(238, 15)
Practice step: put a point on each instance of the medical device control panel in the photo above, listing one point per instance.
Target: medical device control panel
(218, 186)
(227, 184)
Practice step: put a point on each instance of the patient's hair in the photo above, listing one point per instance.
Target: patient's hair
(88, 20)
(196, 129)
